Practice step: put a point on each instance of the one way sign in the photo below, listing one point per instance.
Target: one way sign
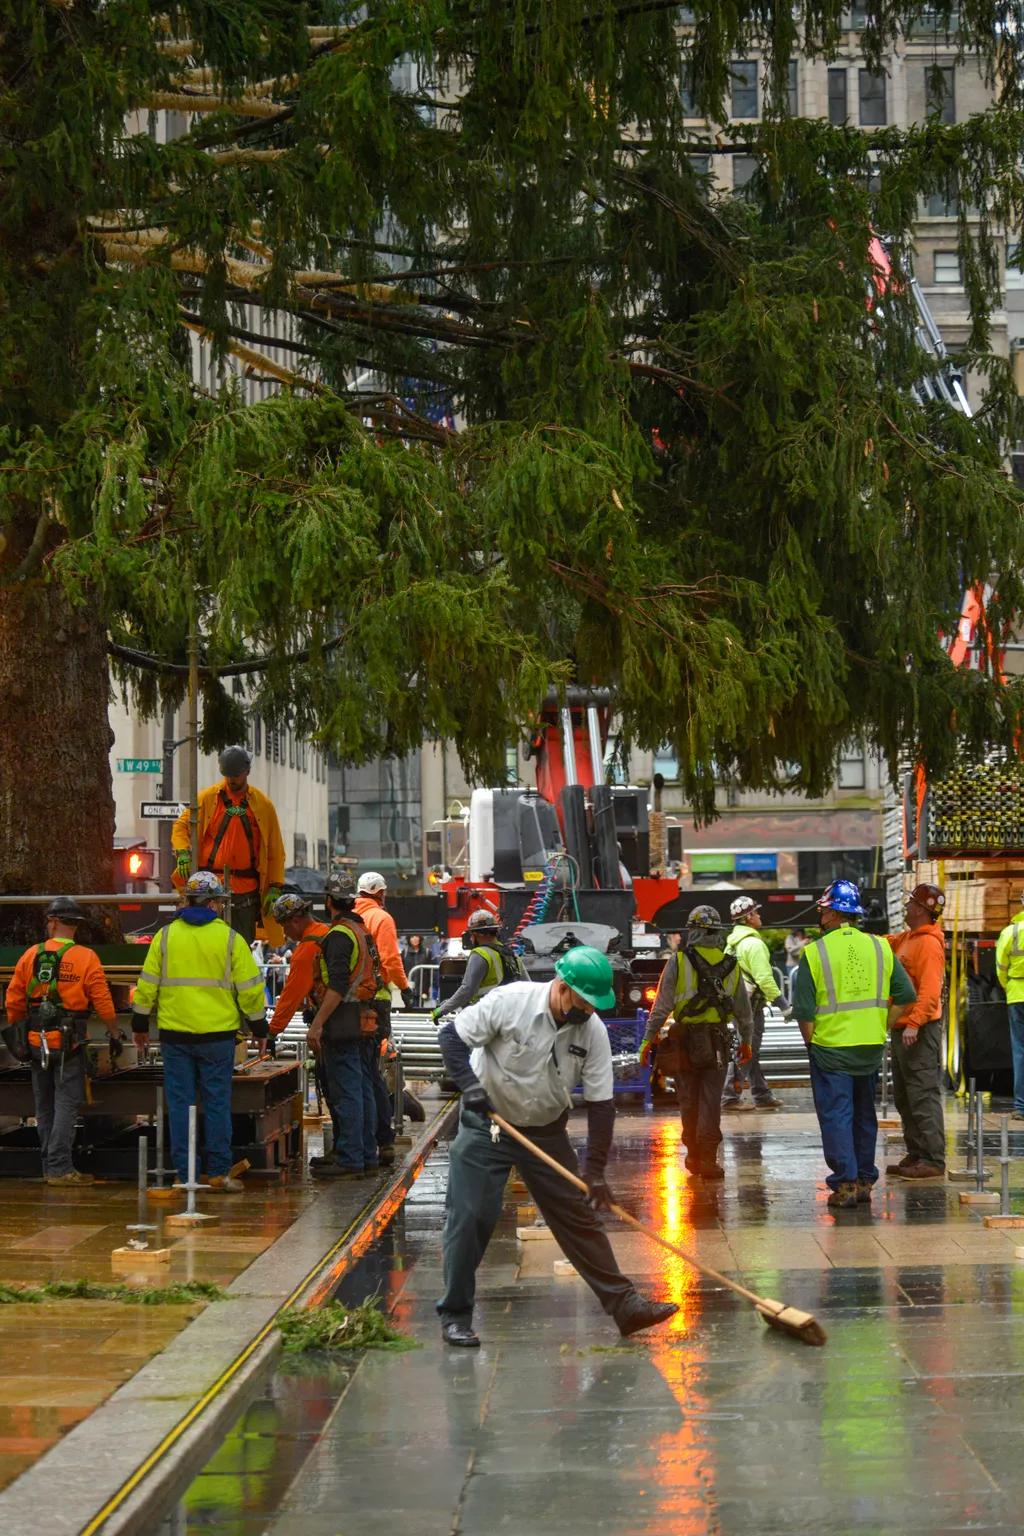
(161, 810)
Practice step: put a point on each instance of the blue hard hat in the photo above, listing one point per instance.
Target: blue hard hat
(842, 896)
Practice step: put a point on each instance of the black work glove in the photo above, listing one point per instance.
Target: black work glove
(475, 1098)
(407, 997)
(599, 1196)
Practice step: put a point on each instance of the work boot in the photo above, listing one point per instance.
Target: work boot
(71, 1180)
(224, 1184)
(711, 1171)
(320, 1162)
(894, 1170)
(864, 1188)
(387, 1155)
(637, 1312)
(333, 1170)
(771, 1102)
(922, 1171)
(843, 1198)
(459, 1334)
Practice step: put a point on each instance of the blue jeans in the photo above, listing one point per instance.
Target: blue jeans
(384, 1131)
(845, 1107)
(194, 1064)
(353, 1110)
(1016, 1012)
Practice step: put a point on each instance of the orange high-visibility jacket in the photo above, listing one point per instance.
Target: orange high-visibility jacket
(302, 977)
(382, 930)
(82, 983)
(270, 855)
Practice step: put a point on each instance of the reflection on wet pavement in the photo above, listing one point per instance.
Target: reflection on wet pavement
(907, 1421)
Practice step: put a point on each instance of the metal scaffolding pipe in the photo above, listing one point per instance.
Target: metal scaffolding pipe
(568, 748)
(596, 749)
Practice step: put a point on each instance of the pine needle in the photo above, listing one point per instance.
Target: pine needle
(180, 1293)
(337, 1327)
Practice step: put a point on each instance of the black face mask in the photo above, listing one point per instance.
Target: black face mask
(576, 1015)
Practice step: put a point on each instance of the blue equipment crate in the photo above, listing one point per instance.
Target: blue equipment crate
(626, 1037)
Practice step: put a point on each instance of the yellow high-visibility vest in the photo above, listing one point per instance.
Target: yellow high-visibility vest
(200, 976)
(852, 974)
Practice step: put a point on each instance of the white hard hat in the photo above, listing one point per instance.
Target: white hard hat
(742, 905)
(371, 884)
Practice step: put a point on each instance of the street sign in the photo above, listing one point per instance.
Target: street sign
(139, 765)
(161, 810)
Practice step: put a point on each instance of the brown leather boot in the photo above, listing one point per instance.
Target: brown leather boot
(895, 1169)
(918, 1171)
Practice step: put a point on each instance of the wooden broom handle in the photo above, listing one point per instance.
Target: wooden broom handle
(656, 1237)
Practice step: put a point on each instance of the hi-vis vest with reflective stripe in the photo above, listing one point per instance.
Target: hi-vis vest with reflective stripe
(687, 982)
(201, 976)
(362, 980)
(852, 972)
(496, 973)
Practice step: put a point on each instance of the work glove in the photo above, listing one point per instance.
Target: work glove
(407, 998)
(184, 864)
(435, 1016)
(744, 1054)
(599, 1196)
(268, 901)
(475, 1098)
(787, 1012)
(648, 1052)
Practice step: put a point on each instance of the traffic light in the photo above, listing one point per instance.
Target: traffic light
(133, 866)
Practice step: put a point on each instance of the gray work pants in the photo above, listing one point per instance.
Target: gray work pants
(917, 1094)
(477, 1173)
(59, 1094)
(751, 1075)
(245, 914)
(700, 1108)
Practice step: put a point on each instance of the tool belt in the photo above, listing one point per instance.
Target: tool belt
(54, 1033)
(368, 1021)
(696, 1047)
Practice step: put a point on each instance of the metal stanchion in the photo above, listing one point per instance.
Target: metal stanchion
(399, 1095)
(885, 1081)
(1004, 1164)
(980, 1133)
(970, 1125)
(142, 1227)
(160, 1172)
(190, 1217)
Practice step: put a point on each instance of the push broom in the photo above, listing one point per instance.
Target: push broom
(800, 1325)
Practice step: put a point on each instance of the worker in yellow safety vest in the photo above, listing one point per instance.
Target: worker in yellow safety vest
(1010, 971)
(491, 963)
(201, 978)
(849, 990)
(240, 841)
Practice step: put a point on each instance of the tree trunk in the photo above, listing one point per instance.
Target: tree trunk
(56, 798)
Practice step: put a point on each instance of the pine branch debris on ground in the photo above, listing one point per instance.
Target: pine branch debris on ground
(180, 1293)
(337, 1327)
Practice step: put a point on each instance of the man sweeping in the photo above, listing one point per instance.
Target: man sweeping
(520, 1051)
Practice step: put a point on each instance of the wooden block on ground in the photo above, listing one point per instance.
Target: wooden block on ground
(517, 1187)
(535, 1234)
(236, 1171)
(890, 1125)
(1003, 1221)
(403, 1141)
(181, 1221)
(1018, 1253)
(525, 1214)
(165, 1194)
(139, 1258)
(563, 1267)
(979, 1197)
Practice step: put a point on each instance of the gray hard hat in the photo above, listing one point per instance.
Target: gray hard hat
(340, 887)
(235, 760)
(65, 908)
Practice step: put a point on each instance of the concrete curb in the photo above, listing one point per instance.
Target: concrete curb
(118, 1471)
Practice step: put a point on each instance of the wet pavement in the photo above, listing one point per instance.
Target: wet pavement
(907, 1421)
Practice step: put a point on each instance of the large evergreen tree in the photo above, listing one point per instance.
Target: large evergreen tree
(693, 466)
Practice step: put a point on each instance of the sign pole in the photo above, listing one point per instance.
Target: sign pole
(193, 732)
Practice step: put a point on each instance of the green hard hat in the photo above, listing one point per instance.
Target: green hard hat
(589, 973)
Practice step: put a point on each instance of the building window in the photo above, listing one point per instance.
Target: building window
(701, 164)
(257, 735)
(291, 748)
(744, 88)
(941, 205)
(1014, 275)
(675, 845)
(872, 98)
(277, 746)
(939, 92)
(686, 90)
(851, 771)
(321, 855)
(792, 96)
(301, 858)
(838, 111)
(947, 267)
(743, 168)
(667, 764)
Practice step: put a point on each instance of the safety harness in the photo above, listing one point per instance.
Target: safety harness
(706, 1041)
(58, 1031)
(366, 977)
(241, 810)
(505, 967)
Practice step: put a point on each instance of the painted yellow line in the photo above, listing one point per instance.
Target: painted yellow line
(175, 1434)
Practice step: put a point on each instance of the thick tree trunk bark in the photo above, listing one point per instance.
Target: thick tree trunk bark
(56, 797)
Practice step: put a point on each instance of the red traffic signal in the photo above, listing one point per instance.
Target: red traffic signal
(135, 864)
